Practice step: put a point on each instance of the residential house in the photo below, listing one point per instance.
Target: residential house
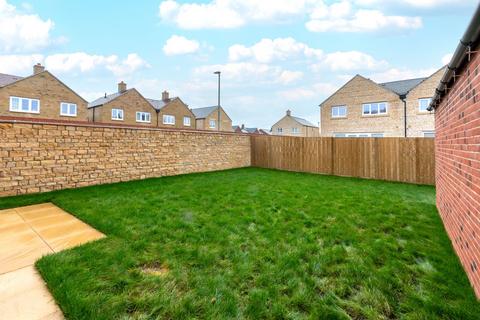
(457, 150)
(173, 112)
(40, 96)
(364, 108)
(208, 119)
(243, 129)
(294, 126)
(128, 106)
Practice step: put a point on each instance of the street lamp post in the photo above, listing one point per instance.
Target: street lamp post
(218, 101)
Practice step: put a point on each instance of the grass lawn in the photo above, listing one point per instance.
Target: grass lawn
(254, 243)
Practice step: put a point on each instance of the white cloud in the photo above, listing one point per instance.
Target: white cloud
(19, 64)
(342, 16)
(428, 4)
(395, 74)
(446, 58)
(127, 66)
(359, 21)
(267, 50)
(288, 76)
(303, 93)
(72, 62)
(177, 45)
(22, 32)
(348, 61)
(251, 72)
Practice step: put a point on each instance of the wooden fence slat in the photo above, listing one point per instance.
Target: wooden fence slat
(395, 159)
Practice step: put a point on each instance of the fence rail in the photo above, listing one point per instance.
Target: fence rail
(395, 159)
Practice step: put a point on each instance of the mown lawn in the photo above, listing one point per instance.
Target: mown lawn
(254, 243)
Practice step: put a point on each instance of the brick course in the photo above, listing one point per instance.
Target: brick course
(457, 121)
(39, 157)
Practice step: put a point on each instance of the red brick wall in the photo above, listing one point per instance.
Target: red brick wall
(458, 167)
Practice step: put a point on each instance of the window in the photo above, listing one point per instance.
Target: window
(213, 123)
(24, 105)
(339, 112)
(429, 134)
(68, 109)
(186, 121)
(143, 117)
(423, 104)
(117, 114)
(279, 130)
(374, 108)
(358, 135)
(295, 130)
(168, 119)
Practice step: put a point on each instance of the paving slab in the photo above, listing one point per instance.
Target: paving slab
(27, 234)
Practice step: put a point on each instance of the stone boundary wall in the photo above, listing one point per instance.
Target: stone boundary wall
(45, 156)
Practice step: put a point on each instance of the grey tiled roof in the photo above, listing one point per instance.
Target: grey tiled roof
(201, 113)
(106, 99)
(304, 122)
(7, 79)
(159, 104)
(402, 87)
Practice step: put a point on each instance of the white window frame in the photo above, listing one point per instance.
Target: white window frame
(429, 134)
(279, 130)
(19, 106)
(359, 135)
(336, 111)
(214, 123)
(168, 119)
(187, 121)
(141, 114)
(118, 112)
(295, 130)
(429, 100)
(68, 105)
(369, 107)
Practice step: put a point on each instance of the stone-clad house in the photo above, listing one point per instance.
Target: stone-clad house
(294, 126)
(129, 107)
(364, 108)
(40, 96)
(207, 119)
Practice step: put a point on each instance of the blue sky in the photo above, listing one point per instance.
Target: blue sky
(274, 54)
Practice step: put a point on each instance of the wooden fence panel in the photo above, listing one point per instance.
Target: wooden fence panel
(395, 159)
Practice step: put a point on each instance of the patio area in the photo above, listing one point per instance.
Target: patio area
(26, 234)
(256, 243)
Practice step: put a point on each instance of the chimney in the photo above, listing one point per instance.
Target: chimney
(243, 126)
(289, 113)
(38, 68)
(165, 95)
(122, 87)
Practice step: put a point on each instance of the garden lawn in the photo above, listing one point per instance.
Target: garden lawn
(255, 243)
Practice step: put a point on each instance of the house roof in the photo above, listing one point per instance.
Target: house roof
(304, 122)
(159, 104)
(6, 79)
(106, 99)
(201, 113)
(402, 87)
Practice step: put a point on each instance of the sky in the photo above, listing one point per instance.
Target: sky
(274, 55)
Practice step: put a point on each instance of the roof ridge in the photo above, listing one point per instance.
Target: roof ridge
(403, 80)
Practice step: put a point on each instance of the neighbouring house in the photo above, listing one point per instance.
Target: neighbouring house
(207, 119)
(294, 126)
(130, 107)
(126, 106)
(457, 150)
(40, 96)
(173, 112)
(364, 108)
(243, 129)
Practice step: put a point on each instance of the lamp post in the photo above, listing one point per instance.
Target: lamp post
(218, 102)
